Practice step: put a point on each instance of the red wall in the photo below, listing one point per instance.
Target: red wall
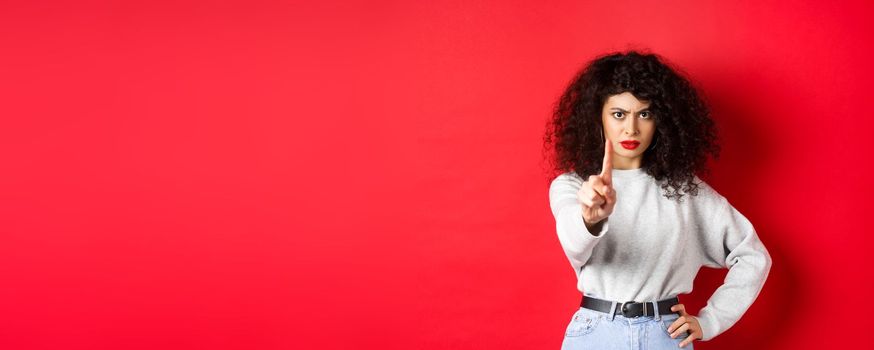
(243, 175)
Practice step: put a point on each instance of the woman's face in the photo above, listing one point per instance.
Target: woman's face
(629, 126)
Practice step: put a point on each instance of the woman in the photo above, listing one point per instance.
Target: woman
(636, 223)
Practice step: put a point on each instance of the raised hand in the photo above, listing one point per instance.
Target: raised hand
(597, 195)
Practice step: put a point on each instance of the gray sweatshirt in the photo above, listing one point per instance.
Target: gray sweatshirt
(651, 247)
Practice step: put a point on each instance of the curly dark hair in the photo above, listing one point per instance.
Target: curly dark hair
(684, 132)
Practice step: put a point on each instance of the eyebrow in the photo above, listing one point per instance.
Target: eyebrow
(624, 111)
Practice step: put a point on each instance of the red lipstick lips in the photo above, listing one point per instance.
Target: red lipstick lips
(630, 144)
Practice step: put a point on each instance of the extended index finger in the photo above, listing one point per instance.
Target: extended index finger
(607, 168)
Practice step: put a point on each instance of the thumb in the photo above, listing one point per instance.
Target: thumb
(609, 194)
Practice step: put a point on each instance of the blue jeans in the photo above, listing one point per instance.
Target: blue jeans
(590, 329)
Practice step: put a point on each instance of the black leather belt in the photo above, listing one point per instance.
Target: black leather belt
(630, 308)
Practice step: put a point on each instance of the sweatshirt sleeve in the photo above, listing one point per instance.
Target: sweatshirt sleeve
(576, 240)
(730, 241)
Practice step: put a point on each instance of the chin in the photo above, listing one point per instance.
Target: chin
(630, 153)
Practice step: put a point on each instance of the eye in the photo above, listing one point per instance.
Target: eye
(645, 115)
(615, 113)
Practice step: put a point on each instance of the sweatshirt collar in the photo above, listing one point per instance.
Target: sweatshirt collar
(628, 173)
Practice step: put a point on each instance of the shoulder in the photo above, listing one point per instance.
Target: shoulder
(568, 181)
(569, 176)
(707, 195)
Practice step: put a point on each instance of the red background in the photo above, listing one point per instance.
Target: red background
(240, 175)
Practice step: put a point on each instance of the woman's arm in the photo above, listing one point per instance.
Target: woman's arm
(576, 240)
(730, 241)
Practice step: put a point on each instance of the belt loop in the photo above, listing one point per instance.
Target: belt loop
(612, 310)
(655, 305)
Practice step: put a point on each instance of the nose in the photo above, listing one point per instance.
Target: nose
(630, 126)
